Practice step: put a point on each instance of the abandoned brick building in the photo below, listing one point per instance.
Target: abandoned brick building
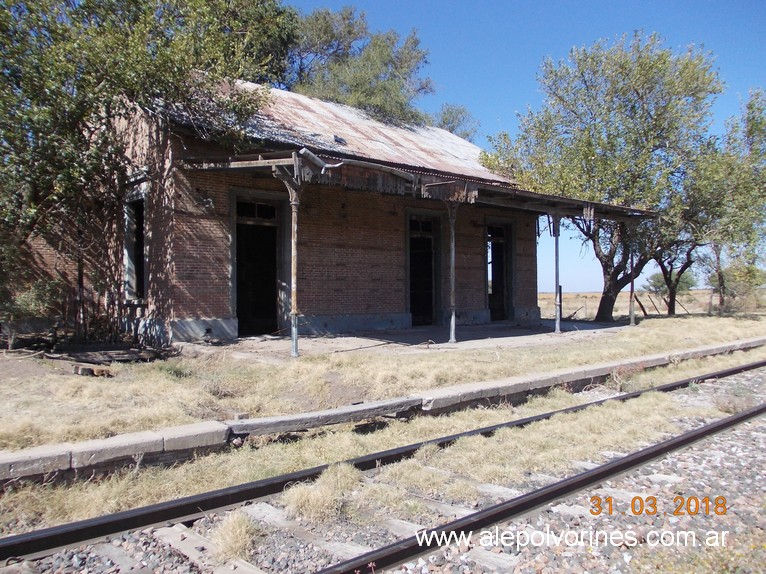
(334, 222)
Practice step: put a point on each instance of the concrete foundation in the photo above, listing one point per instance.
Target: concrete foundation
(195, 329)
(324, 324)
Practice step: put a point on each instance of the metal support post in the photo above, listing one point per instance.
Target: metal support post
(557, 296)
(452, 210)
(294, 203)
(632, 293)
(294, 189)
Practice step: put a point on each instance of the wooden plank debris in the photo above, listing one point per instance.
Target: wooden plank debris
(91, 370)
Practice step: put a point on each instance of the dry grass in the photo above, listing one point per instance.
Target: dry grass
(387, 499)
(415, 476)
(45, 405)
(583, 306)
(326, 498)
(735, 400)
(234, 537)
(549, 446)
(28, 506)
(32, 506)
(627, 382)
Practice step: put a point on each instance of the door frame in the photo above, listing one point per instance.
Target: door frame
(510, 242)
(280, 201)
(438, 217)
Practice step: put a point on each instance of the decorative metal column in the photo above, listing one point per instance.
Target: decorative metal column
(294, 189)
(632, 293)
(452, 211)
(557, 296)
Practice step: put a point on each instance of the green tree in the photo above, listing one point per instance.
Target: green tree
(657, 284)
(337, 59)
(677, 241)
(72, 72)
(742, 281)
(730, 185)
(619, 124)
(324, 37)
(457, 120)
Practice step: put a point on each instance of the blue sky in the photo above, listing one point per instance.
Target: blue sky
(485, 55)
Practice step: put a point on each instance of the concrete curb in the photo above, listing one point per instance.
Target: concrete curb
(176, 443)
(446, 398)
(300, 421)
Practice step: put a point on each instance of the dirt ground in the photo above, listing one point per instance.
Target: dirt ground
(416, 340)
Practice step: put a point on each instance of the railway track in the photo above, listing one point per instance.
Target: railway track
(355, 557)
(414, 546)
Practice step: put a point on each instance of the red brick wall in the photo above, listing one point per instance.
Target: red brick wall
(201, 243)
(352, 249)
(351, 252)
(470, 258)
(352, 244)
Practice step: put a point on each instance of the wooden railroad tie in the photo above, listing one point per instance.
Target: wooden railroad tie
(90, 370)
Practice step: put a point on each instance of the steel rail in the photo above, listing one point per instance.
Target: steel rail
(45, 540)
(410, 548)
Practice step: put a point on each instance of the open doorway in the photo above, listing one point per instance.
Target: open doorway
(257, 263)
(497, 272)
(422, 255)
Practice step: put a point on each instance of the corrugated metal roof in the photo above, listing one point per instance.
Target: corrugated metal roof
(340, 132)
(294, 119)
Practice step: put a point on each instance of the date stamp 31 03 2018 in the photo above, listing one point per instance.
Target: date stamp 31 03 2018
(651, 506)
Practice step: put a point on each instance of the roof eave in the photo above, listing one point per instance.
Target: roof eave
(490, 192)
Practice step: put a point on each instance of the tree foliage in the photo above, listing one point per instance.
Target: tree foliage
(732, 181)
(324, 37)
(743, 284)
(655, 283)
(457, 120)
(337, 58)
(72, 71)
(619, 125)
(670, 289)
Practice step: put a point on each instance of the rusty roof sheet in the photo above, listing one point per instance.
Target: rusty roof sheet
(294, 119)
(340, 132)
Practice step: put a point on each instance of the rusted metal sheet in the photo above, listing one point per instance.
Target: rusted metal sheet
(361, 153)
(294, 119)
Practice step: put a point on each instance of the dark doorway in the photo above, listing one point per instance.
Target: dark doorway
(497, 272)
(422, 269)
(135, 269)
(256, 277)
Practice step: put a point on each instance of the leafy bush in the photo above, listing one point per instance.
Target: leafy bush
(39, 300)
(656, 284)
(741, 284)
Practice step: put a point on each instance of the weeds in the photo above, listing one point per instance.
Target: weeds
(175, 368)
(732, 404)
(746, 554)
(621, 380)
(538, 447)
(234, 537)
(52, 405)
(34, 506)
(325, 499)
